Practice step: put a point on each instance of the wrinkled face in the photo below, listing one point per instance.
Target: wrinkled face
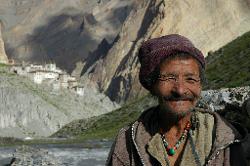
(178, 86)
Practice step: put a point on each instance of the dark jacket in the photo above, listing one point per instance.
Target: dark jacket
(131, 145)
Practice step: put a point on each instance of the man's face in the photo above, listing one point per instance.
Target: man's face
(178, 86)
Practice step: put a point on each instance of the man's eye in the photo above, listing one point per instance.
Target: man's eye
(192, 80)
(166, 77)
(170, 78)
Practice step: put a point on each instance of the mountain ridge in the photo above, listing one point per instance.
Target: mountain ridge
(71, 34)
(117, 73)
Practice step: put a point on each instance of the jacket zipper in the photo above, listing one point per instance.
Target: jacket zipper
(136, 147)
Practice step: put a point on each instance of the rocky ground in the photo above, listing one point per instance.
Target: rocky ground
(81, 154)
(25, 155)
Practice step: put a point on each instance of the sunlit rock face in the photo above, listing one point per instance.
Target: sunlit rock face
(209, 24)
(3, 56)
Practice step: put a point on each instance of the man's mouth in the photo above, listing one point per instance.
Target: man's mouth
(171, 98)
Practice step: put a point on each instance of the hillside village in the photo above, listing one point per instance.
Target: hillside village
(49, 74)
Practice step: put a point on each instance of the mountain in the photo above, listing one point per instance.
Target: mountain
(209, 24)
(64, 32)
(97, 41)
(29, 110)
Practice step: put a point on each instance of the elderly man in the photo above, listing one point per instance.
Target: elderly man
(175, 132)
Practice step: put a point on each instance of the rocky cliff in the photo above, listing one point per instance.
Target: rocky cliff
(3, 56)
(98, 40)
(28, 110)
(65, 32)
(209, 24)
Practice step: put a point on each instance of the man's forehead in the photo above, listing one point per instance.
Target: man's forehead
(187, 67)
(179, 61)
(179, 57)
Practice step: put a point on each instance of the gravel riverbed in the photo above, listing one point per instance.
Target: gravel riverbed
(57, 155)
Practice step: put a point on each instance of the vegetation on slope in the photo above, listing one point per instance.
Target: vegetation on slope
(229, 66)
(107, 125)
(4, 70)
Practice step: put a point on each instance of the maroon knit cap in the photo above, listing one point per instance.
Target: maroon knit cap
(154, 51)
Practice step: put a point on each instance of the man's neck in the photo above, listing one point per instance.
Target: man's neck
(173, 125)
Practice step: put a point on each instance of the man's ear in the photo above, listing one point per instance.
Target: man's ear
(154, 91)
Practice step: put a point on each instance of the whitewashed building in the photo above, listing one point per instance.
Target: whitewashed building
(79, 90)
(41, 75)
(37, 76)
(35, 67)
(51, 75)
(50, 67)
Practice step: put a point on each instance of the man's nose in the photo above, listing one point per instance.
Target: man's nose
(179, 87)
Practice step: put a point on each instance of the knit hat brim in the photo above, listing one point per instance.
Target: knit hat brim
(154, 51)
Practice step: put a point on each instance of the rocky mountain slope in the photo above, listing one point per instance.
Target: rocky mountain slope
(98, 40)
(65, 32)
(209, 24)
(29, 110)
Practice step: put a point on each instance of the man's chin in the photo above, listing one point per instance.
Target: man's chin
(178, 112)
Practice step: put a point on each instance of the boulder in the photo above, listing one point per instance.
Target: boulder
(27, 155)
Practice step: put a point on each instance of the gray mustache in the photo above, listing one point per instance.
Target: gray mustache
(178, 98)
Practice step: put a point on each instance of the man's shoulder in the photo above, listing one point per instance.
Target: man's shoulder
(142, 121)
(224, 127)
